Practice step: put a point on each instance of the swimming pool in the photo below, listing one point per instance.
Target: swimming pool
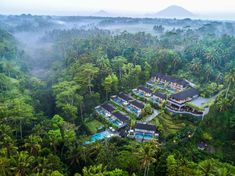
(132, 109)
(144, 136)
(99, 136)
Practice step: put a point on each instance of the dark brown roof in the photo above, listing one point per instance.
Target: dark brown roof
(145, 126)
(120, 116)
(108, 107)
(189, 93)
(137, 104)
(145, 89)
(172, 79)
(161, 95)
(125, 97)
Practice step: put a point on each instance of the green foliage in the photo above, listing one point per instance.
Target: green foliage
(88, 64)
(147, 108)
(110, 84)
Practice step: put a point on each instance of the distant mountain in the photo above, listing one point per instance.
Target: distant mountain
(174, 12)
(101, 13)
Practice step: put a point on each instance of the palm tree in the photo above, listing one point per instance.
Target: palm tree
(76, 155)
(230, 80)
(196, 65)
(222, 104)
(147, 153)
(33, 144)
(22, 162)
(132, 123)
(212, 56)
(219, 76)
(208, 71)
(208, 167)
(94, 170)
(4, 166)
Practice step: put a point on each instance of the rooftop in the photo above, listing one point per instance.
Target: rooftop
(145, 89)
(137, 104)
(145, 126)
(161, 95)
(172, 79)
(108, 107)
(120, 116)
(125, 97)
(189, 93)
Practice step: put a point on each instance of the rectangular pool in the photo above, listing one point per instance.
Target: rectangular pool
(99, 136)
(145, 136)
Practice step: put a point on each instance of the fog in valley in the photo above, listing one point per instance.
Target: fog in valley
(34, 32)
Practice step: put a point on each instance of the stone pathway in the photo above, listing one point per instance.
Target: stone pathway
(152, 116)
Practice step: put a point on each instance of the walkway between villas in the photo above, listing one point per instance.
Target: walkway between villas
(152, 116)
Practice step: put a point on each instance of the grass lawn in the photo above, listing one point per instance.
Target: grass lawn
(93, 125)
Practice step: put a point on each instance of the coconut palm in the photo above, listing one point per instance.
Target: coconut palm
(219, 76)
(5, 166)
(207, 167)
(94, 170)
(208, 71)
(196, 65)
(33, 144)
(212, 56)
(22, 163)
(230, 80)
(147, 154)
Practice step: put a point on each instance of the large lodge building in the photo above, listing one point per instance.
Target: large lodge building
(174, 83)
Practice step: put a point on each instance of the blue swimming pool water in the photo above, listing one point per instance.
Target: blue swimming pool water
(143, 136)
(165, 88)
(132, 109)
(98, 136)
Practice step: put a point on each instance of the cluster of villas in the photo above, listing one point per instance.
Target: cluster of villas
(178, 96)
(128, 103)
(120, 119)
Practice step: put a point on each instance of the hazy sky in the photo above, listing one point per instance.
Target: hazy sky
(74, 7)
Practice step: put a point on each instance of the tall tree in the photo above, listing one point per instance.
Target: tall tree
(230, 80)
(85, 75)
(68, 99)
(147, 155)
(110, 83)
(117, 63)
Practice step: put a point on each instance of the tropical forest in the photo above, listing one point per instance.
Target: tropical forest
(116, 96)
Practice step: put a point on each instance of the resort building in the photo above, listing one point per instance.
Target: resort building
(105, 110)
(143, 91)
(135, 107)
(184, 96)
(120, 118)
(180, 102)
(122, 99)
(144, 131)
(116, 118)
(169, 81)
(128, 103)
(158, 97)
